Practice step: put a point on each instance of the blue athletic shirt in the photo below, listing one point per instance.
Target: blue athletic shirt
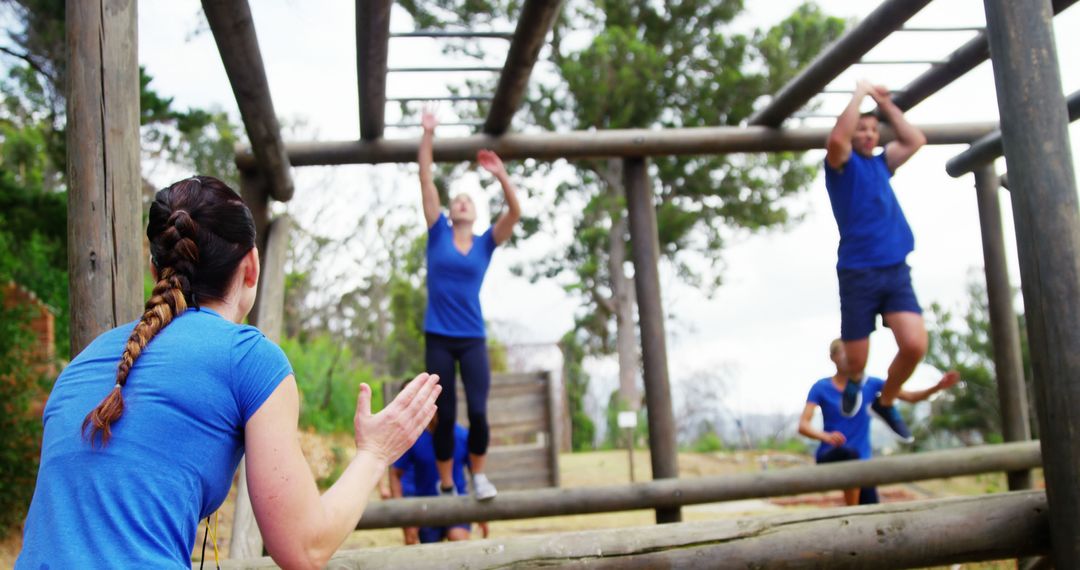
(873, 229)
(137, 502)
(856, 428)
(419, 461)
(453, 282)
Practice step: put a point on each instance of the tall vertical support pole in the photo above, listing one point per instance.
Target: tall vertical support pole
(1004, 332)
(372, 46)
(1043, 188)
(104, 207)
(256, 195)
(246, 541)
(646, 255)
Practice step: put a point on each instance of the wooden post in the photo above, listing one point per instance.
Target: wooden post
(105, 256)
(372, 39)
(597, 144)
(646, 254)
(912, 534)
(554, 439)
(1004, 332)
(1043, 189)
(246, 541)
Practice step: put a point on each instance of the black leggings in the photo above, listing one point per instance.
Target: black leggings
(867, 495)
(440, 355)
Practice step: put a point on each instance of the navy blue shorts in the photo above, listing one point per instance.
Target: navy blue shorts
(867, 293)
(430, 534)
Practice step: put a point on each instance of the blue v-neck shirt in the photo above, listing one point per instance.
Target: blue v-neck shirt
(454, 280)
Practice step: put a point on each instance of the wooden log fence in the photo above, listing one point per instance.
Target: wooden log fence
(596, 144)
(896, 535)
(668, 493)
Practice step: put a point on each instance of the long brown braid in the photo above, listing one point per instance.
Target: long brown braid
(175, 240)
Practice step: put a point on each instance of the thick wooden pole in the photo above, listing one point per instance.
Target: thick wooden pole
(234, 32)
(827, 66)
(913, 534)
(596, 144)
(246, 542)
(1004, 331)
(537, 17)
(513, 505)
(646, 254)
(1036, 140)
(372, 45)
(105, 257)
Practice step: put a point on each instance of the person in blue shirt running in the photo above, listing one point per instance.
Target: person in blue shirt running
(875, 240)
(415, 474)
(145, 428)
(453, 323)
(843, 437)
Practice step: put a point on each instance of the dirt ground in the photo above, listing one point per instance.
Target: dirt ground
(606, 468)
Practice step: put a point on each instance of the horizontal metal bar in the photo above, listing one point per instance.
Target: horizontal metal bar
(452, 34)
(942, 29)
(815, 115)
(597, 144)
(440, 98)
(901, 62)
(850, 91)
(441, 69)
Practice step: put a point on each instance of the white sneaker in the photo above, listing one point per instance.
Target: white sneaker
(483, 488)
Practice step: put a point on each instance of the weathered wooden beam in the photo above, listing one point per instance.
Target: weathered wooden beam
(234, 31)
(958, 63)
(537, 17)
(1041, 174)
(844, 52)
(596, 144)
(1004, 330)
(645, 251)
(989, 147)
(372, 45)
(896, 535)
(438, 511)
(105, 256)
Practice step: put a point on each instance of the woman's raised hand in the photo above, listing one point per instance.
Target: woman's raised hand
(389, 434)
(428, 121)
(490, 162)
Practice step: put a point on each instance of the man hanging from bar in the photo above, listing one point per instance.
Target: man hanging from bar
(875, 240)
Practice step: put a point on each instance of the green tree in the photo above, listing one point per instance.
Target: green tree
(970, 411)
(653, 64)
(576, 384)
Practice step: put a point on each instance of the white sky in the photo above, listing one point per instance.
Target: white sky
(767, 328)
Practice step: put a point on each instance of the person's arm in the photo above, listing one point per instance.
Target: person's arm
(947, 381)
(909, 139)
(838, 147)
(504, 226)
(833, 438)
(425, 158)
(300, 528)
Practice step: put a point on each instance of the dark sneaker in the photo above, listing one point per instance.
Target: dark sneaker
(451, 492)
(891, 416)
(851, 400)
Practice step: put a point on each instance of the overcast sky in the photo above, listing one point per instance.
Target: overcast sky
(767, 328)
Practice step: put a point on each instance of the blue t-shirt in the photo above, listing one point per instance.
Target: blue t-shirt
(453, 282)
(873, 229)
(856, 428)
(137, 502)
(419, 462)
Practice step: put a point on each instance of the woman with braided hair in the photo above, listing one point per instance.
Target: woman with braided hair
(145, 428)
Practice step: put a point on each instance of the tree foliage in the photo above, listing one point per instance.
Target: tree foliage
(970, 411)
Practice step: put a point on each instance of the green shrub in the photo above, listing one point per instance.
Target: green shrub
(708, 442)
(329, 377)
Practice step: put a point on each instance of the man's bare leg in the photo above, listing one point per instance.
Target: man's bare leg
(909, 329)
